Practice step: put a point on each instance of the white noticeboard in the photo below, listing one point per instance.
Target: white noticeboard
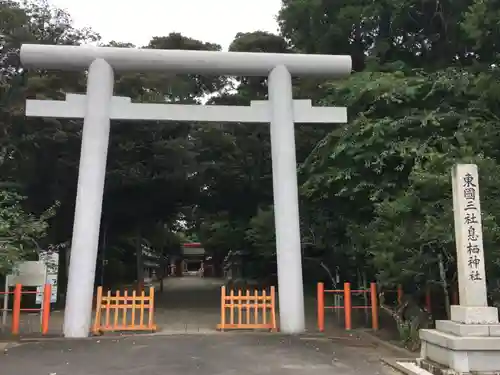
(30, 273)
(51, 261)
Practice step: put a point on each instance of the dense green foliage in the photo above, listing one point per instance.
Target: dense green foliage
(375, 193)
(19, 231)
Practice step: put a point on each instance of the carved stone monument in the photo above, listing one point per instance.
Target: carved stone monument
(470, 341)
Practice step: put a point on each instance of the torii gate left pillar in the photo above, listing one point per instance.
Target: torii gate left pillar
(99, 107)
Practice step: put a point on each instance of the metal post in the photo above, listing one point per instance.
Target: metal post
(286, 203)
(96, 127)
(5, 302)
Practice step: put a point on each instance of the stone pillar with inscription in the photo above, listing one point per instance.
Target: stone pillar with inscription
(470, 341)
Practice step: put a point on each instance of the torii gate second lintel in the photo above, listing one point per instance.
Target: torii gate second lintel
(123, 109)
(99, 107)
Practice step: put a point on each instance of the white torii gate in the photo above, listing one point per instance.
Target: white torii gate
(99, 106)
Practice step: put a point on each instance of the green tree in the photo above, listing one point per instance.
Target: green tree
(21, 232)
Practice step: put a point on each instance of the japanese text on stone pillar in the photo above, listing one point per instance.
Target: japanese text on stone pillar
(472, 218)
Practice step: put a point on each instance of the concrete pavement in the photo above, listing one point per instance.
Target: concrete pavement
(204, 354)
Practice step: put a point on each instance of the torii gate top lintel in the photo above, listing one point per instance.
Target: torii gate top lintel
(69, 58)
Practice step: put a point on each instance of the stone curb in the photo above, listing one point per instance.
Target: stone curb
(393, 362)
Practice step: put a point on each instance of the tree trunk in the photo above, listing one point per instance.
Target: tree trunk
(163, 266)
(325, 267)
(444, 284)
(139, 262)
(62, 275)
(103, 244)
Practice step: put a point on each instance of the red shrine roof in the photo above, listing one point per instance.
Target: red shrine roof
(192, 244)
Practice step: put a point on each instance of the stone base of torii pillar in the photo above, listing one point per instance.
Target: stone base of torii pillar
(470, 341)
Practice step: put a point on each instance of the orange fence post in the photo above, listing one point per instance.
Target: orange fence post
(151, 308)
(347, 305)
(46, 308)
(321, 306)
(374, 303)
(428, 303)
(273, 310)
(98, 303)
(222, 307)
(16, 309)
(400, 294)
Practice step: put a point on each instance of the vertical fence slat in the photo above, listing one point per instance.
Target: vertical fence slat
(231, 307)
(273, 308)
(240, 312)
(256, 306)
(116, 303)
(264, 307)
(134, 306)
(107, 322)
(98, 311)
(222, 307)
(141, 319)
(247, 307)
(125, 308)
(151, 307)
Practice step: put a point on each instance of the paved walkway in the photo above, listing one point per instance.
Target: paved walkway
(204, 354)
(192, 304)
(188, 304)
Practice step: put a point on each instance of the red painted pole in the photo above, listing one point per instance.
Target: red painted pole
(374, 303)
(347, 306)
(16, 309)
(46, 308)
(321, 307)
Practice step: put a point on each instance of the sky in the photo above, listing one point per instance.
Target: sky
(215, 21)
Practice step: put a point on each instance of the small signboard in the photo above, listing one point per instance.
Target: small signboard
(51, 279)
(51, 261)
